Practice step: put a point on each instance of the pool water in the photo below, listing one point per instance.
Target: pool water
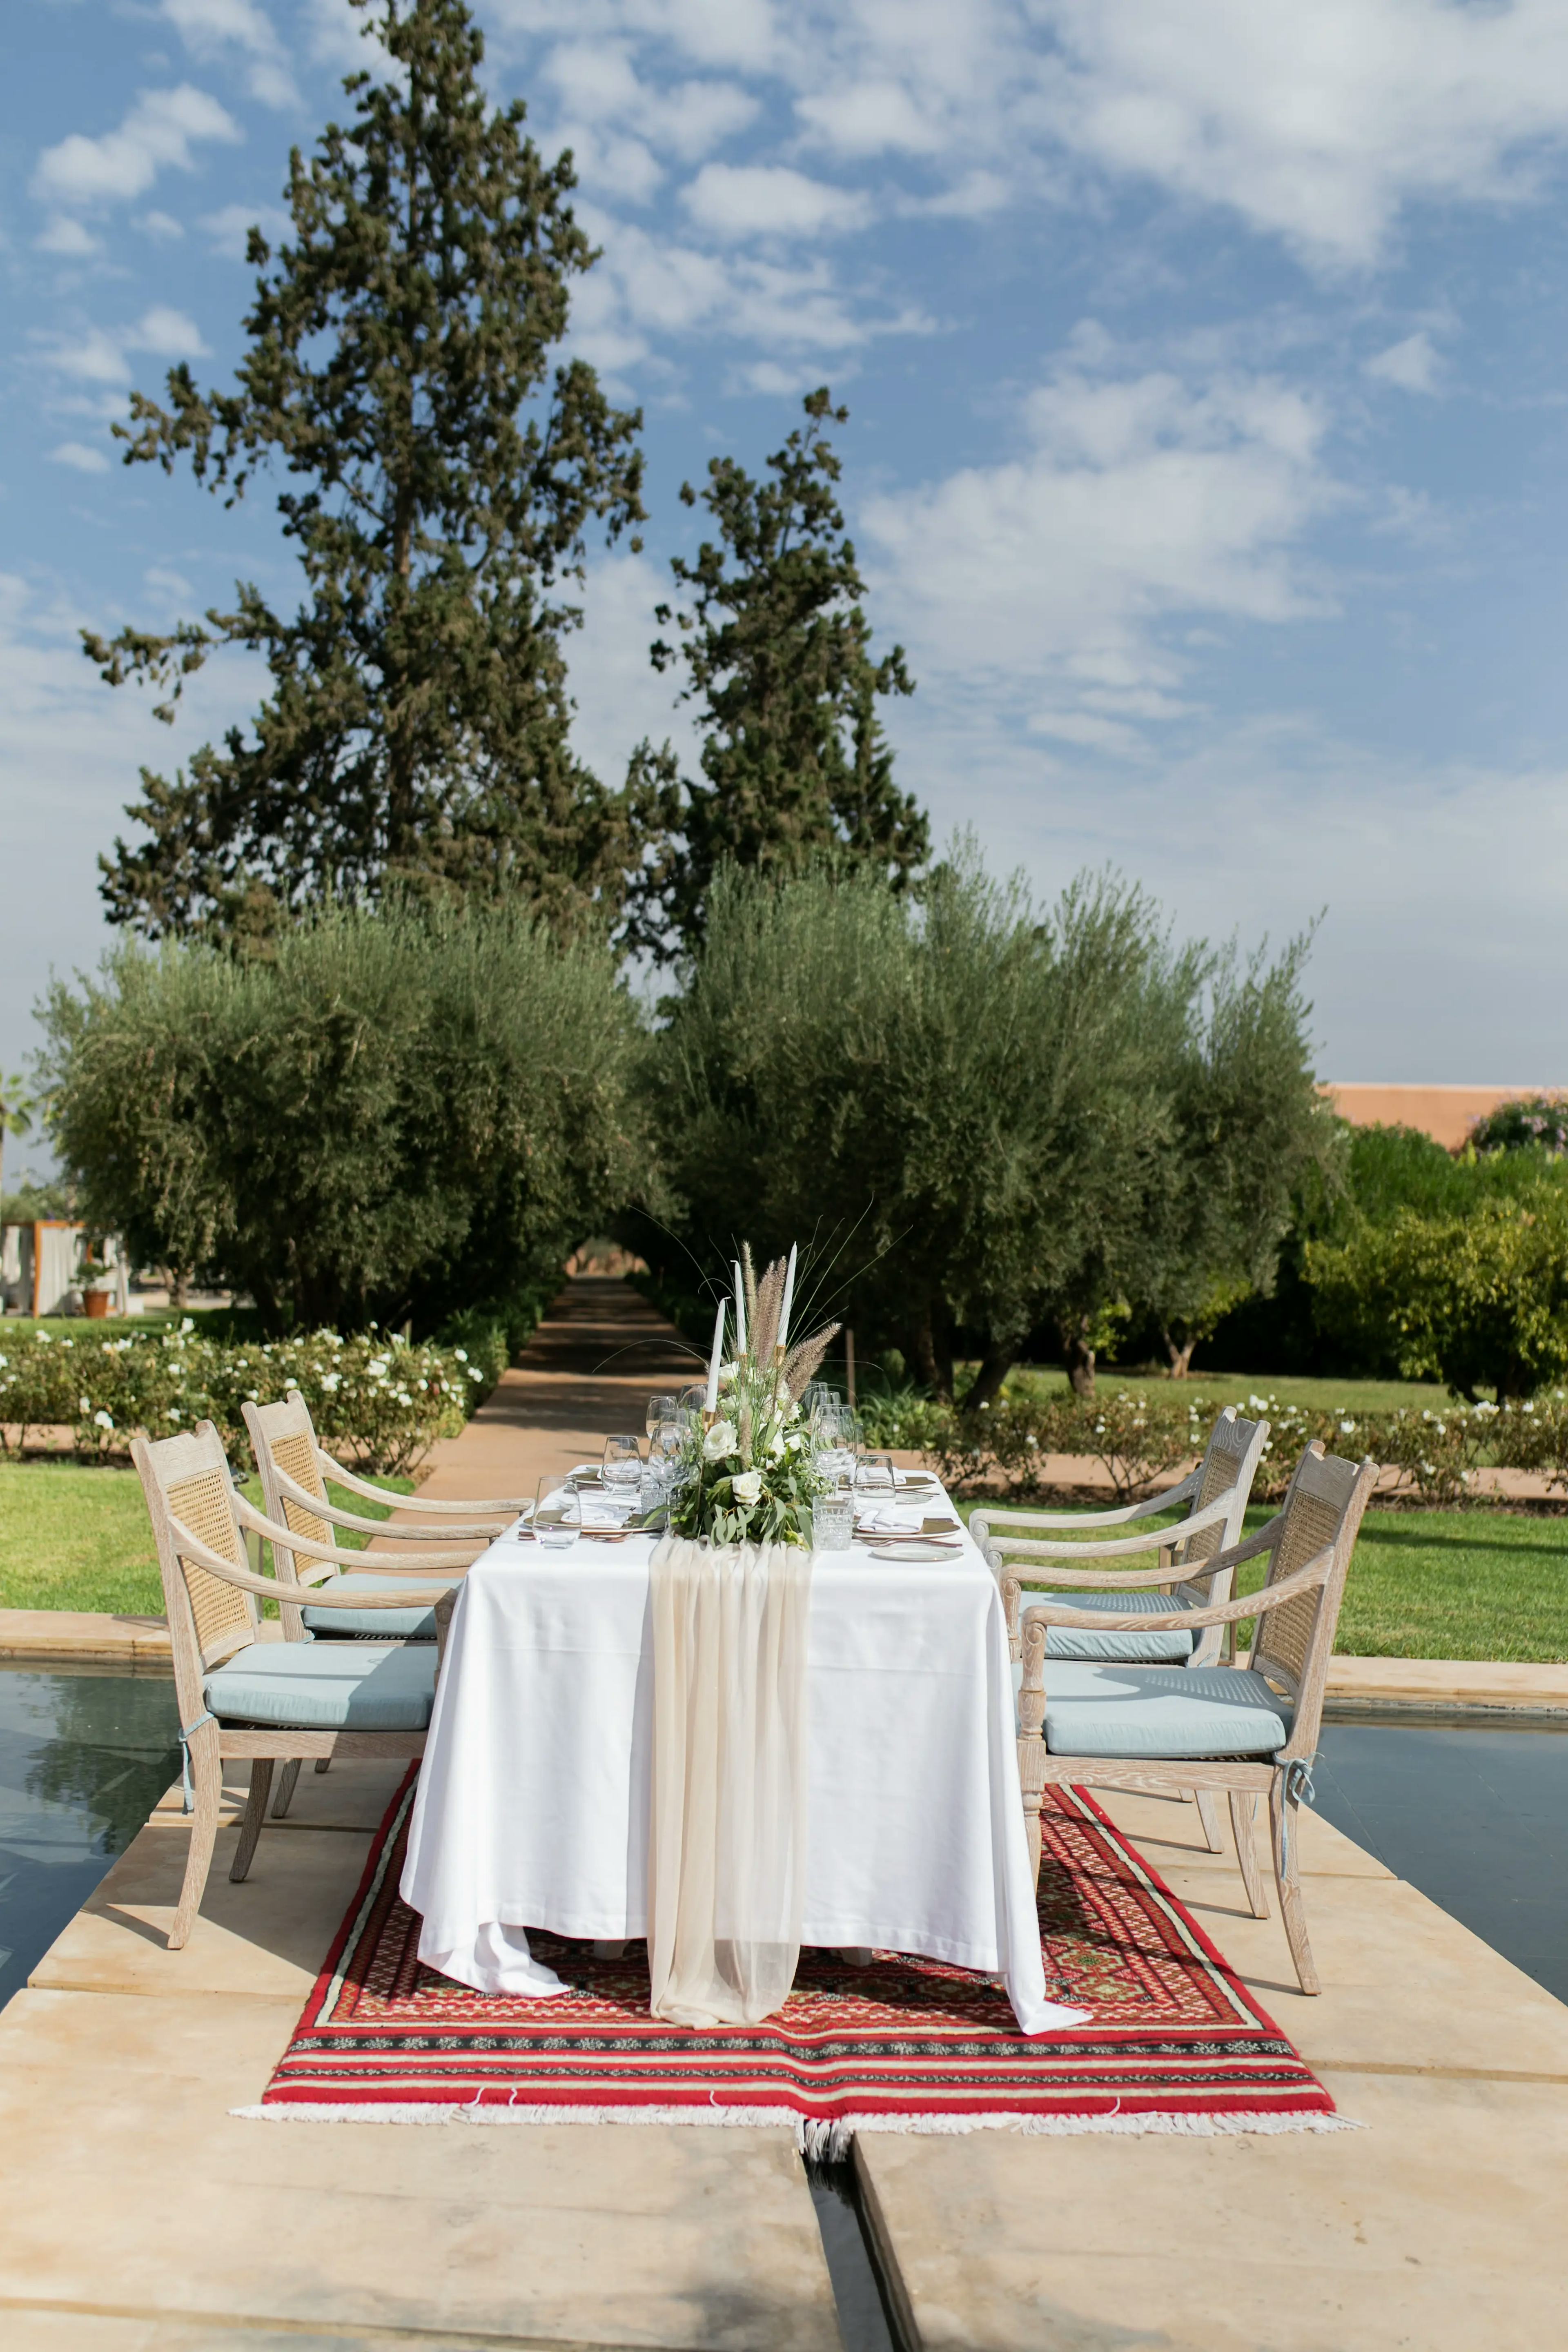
(84, 1757)
(1475, 1816)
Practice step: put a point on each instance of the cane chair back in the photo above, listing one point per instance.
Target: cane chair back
(186, 1482)
(284, 1439)
(1295, 1639)
(1229, 1466)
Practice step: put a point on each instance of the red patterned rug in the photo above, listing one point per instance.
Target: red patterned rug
(1174, 2041)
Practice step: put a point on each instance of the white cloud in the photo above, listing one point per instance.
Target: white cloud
(1320, 125)
(1056, 579)
(694, 117)
(1412, 364)
(159, 130)
(229, 228)
(209, 26)
(81, 457)
(167, 333)
(163, 226)
(619, 696)
(870, 118)
(92, 357)
(737, 201)
(172, 585)
(62, 235)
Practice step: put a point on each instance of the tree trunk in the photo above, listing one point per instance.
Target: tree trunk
(993, 1370)
(1181, 1356)
(1079, 1357)
(933, 1356)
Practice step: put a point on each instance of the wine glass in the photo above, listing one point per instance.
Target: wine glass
(692, 1401)
(557, 1512)
(658, 1409)
(621, 1469)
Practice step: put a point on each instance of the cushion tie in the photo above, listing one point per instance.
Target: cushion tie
(1299, 1790)
(187, 1732)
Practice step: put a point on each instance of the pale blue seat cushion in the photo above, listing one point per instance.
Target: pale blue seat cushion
(381, 1624)
(325, 1686)
(1173, 1648)
(1160, 1711)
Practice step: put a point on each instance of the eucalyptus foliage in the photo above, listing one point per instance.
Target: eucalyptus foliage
(443, 467)
(393, 1117)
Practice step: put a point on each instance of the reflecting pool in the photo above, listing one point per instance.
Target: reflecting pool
(84, 1757)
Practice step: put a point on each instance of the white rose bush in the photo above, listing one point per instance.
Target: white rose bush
(377, 1400)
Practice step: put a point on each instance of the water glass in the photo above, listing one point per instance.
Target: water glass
(832, 1522)
(874, 1477)
(660, 1408)
(557, 1513)
(665, 1440)
(622, 1467)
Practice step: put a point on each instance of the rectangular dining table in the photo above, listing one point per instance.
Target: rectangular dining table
(533, 1800)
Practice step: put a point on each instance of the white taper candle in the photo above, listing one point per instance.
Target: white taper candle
(740, 1311)
(716, 1359)
(788, 1299)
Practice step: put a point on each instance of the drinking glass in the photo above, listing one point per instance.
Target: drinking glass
(622, 1467)
(874, 1477)
(665, 1440)
(557, 1513)
(692, 1401)
(658, 1408)
(832, 1522)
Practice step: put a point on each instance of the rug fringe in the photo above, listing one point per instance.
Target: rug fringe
(825, 2141)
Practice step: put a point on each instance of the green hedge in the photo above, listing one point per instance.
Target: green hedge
(378, 1400)
(1139, 1439)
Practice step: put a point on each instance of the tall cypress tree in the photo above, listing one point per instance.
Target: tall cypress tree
(775, 646)
(442, 475)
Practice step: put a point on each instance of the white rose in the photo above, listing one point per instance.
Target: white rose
(720, 1440)
(748, 1487)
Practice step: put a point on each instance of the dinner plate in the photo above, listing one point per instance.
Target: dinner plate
(917, 1548)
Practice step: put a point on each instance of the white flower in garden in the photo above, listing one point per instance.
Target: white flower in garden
(720, 1441)
(748, 1487)
(42, 1338)
(330, 1380)
(186, 1324)
(474, 1373)
(84, 1404)
(173, 1413)
(100, 1420)
(461, 1354)
(1347, 1428)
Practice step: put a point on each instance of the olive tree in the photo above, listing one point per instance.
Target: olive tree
(391, 1115)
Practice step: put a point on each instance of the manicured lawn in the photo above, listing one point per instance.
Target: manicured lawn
(1446, 1584)
(1237, 1388)
(73, 1535)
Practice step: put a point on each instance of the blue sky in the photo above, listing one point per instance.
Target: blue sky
(1209, 415)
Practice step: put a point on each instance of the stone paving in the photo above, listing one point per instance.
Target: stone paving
(136, 2212)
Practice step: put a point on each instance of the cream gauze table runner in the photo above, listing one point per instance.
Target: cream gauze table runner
(728, 1823)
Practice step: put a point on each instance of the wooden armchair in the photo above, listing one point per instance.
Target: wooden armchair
(265, 1701)
(1188, 1578)
(294, 1470)
(1246, 1731)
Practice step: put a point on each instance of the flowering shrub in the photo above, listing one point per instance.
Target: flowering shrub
(377, 1400)
(1433, 1455)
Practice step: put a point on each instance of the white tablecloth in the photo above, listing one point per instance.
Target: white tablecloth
(533, 1807)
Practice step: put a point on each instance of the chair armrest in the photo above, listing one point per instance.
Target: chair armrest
(1121, 1517)
(1108, 1580)
(1305, 1579)
(1163, 1540)
(504, 1507)
(308, 1548)
(294, 1493)
(272, 1588)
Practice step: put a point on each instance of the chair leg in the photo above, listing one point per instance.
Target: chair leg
(255, 1814)
(288, 1779)
(1208, 1815)
(323, 1762)
(1283, 1811)
(1243, 1814)
(206, 1779)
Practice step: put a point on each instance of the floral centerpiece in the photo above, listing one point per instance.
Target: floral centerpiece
(748, 1472)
